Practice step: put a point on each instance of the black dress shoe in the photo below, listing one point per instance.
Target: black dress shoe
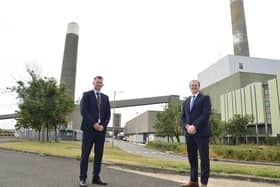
(98, 181)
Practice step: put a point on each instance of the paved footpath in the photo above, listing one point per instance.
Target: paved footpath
(213, 182)
(30, 170)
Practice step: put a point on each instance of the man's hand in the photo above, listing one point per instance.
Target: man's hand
(98, 127)
(101, 128)
(191, 129)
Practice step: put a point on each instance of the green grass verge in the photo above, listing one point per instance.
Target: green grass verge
(5, 137)
(260, 153)
(72, 150)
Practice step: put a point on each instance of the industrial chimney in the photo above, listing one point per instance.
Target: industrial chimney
(239, 31)
(68, 72)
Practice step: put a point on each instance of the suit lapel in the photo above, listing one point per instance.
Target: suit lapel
(94, 98)
(188, 104)
(102, 102)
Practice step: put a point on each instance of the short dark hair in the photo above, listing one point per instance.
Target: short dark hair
(98, 77)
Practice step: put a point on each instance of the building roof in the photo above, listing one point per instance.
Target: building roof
(232, 64)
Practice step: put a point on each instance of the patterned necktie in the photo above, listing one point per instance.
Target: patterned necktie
(192, 102)
(98, 99)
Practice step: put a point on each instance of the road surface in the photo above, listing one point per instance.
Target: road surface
(19, 169)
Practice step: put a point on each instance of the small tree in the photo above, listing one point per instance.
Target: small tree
(43, 104)
(30, 95)
(162, 125)
(237, 126)
(174, 111)
(217, 128)
(168, 122)
(62, 105)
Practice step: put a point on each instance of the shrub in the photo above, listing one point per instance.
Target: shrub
(241, 152)
(270, 140)
(165, 146)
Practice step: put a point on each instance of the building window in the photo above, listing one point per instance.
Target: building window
(268, 116)
(267, 103)
(265, 88)
(240, 65)
(266, 92)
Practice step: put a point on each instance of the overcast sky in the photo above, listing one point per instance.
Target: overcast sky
(144, 48)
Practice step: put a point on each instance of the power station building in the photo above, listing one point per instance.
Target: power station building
(245, 85)
(240, 84)
(258, 99)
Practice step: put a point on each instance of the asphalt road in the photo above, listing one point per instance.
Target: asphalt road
(29, 170)
(19, 169)
(140, 149)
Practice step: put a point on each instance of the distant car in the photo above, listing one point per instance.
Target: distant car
(125, 138)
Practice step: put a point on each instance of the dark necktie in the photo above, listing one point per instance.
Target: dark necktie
(98, 99)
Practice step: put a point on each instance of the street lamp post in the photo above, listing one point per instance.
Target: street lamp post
(114, 106)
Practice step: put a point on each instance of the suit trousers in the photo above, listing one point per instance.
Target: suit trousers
(89, 138)
(198, 144)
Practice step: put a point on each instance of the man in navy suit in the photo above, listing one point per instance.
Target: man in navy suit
(195, 117)
(95, 111)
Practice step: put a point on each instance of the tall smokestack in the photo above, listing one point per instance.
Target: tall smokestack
(68, 72)
(239, 31)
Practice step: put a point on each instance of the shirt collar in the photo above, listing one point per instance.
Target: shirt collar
(196, 94)
(95, 91)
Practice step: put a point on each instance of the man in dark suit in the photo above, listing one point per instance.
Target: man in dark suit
(195, 117)
(95, 111)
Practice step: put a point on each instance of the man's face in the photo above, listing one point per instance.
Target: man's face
(98, 84)
(194, 86)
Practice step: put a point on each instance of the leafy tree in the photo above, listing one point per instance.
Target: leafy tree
(59, 105)
(44, 104)
(168, 122)
(161, 125)
(30, 95)
(175, 112)
(217, 128)
(237, 126)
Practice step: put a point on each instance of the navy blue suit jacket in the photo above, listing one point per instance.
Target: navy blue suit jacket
(90, 113)
(199, 116)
